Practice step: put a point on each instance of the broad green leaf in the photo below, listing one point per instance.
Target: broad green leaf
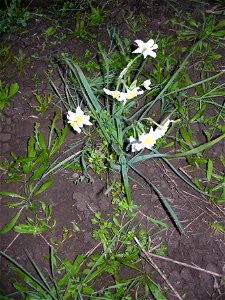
(39, 171)
(31, 147)
(27, 168)
(199, 113)
(209, 169)
(219, 33)
(44, 186)
(71, 270)
(13, 89)
(13, 195)
(11, 223)
(186, 137)
(155, 290)
(19, 287)
(30, 229)
(41, 141)
(26, 159)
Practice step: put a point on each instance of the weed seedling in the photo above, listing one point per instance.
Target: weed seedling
(43, 102)
(6, 93)
(21, 61)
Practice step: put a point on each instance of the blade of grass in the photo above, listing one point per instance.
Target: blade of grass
(164, 201)
(28, 274)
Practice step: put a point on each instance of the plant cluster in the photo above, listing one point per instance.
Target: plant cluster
(13, 16)
(6, 92)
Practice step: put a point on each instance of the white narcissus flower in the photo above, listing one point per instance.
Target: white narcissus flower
(146, 48)
(114, 94)
(148, 140)
(122, 97)
(135, 146)
(134, 93)
(162, 129)
(78, 119)
(146, 84)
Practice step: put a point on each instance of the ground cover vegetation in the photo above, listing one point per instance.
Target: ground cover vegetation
(136, 101)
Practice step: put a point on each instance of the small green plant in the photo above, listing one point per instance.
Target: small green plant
(43, 102)
(13, 16)
(96, 15)
(21, 61)
(132, 23)
(81, 28)
(6, 93)
(35, 171)
(217, 227)
(208, 29)
(5, 56)
(49, 32)
(77, 279)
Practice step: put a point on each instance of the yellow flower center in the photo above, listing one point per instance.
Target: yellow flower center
(131, 95)
(148, 140)
(115, 95)
(79, 119)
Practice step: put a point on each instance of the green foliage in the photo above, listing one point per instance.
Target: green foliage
(5, 56)
(21, 61)
(35, 171)
(208, 29)
(113, 120)
(43, 102)
(6, 93)
(78, 279)
(13, 16)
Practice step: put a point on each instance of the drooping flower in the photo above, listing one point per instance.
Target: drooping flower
(78, 119)
(135, 146)
(146, 48)
(114, 94)
(148, 140)
(122, 97)
(146, 84)
(134, 93)
(162, 129)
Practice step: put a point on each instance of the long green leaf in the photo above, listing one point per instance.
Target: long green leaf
(195, 150)
(44, 186)
(14, 262)
(124, 166)
(12, 222)
(13, 195)
(165, 202)
(155, 290)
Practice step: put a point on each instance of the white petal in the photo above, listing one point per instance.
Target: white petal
(79, 111)
(140, 43)
(108, 92)
(150, 43)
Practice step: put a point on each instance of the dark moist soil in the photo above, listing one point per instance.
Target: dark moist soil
(201, 246)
